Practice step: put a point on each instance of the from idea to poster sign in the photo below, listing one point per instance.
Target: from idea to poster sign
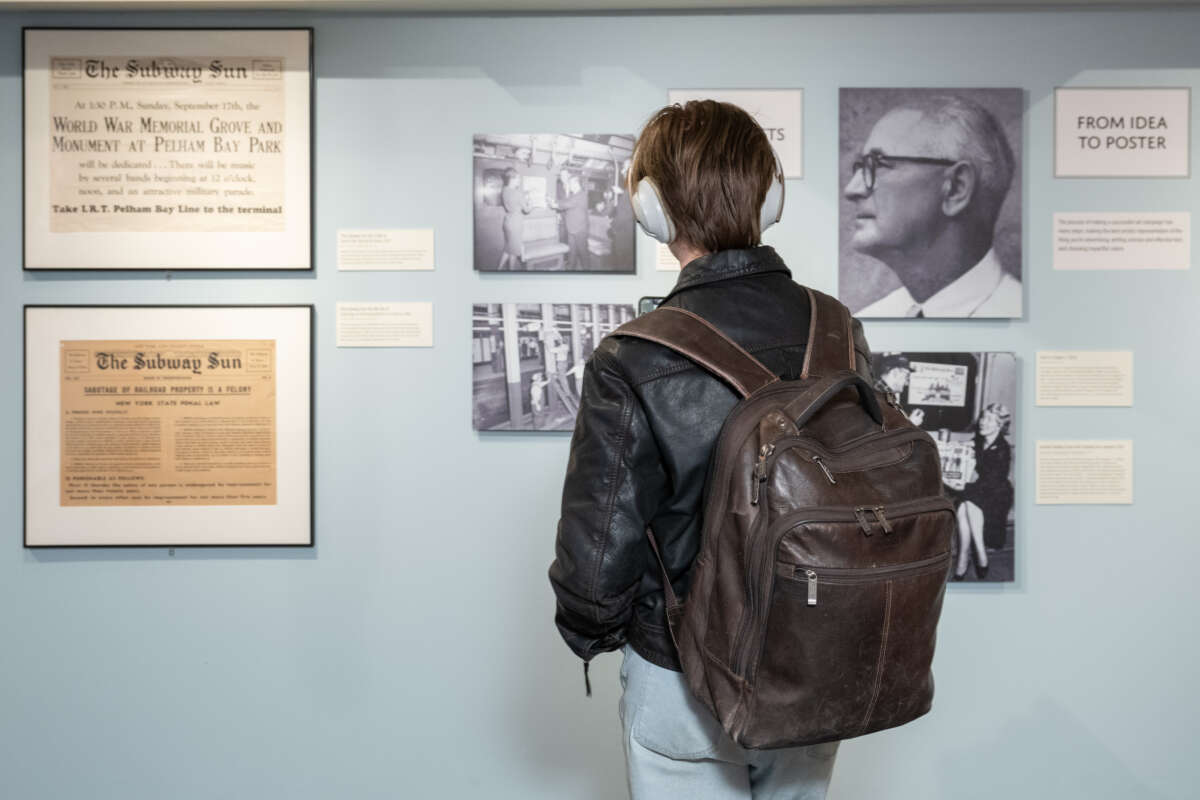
(1122, 133)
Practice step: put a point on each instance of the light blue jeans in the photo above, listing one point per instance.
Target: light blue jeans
(675, 748)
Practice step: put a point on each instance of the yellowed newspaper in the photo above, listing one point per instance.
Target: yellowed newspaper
(177, 422)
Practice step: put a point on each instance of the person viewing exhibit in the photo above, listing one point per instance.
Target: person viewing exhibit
(313, 308)
(648, 421)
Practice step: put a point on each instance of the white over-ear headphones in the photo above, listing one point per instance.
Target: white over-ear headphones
(651, 214)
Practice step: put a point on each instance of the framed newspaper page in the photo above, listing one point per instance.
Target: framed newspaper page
(168, 426)
(172, 149)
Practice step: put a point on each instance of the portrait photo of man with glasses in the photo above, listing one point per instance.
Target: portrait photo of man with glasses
(930, 206)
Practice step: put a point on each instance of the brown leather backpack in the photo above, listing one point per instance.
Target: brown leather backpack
(814, 600)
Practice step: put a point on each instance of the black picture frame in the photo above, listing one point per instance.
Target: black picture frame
(311, 399)
(311, 206)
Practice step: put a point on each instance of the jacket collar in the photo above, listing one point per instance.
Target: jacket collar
(727, 264)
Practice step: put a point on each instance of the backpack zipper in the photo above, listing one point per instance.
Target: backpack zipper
(829, 475)
(760, 472)
(749, 422)
(816, 451)
(817, 454)
(760, 563)
(846, 576)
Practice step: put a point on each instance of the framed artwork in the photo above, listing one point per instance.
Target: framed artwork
(553, 202)
(171, 149)
(168, 426)
(528, 358)
(930, 202)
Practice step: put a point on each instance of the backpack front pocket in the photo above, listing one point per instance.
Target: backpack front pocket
(847, 648)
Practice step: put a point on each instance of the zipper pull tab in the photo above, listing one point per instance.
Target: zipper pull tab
(863, 522)
(817, 460)
(812, 586)
(883, 522)
(760, 472)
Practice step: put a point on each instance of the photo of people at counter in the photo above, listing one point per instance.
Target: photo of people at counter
(553, 202)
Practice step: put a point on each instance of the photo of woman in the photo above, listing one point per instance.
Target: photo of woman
(986, 501)
(965, 401)
(515, 209)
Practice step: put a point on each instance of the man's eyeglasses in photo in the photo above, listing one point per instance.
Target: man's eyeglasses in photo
(870, 162)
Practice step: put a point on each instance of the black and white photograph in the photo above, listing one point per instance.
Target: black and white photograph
(553, 202)
(930, 206)
(537, 389)
(966, 401)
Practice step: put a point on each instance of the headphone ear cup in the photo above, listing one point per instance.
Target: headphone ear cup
(650, 213)
(772, 207)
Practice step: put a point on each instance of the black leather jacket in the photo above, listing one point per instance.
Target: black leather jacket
(648, 420)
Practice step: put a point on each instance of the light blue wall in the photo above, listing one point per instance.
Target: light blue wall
(411, 653)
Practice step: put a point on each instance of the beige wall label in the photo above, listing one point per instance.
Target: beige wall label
(1123, 132)
(1085, 378)
(1081, 472)
(362, 249)
(664, 260)
(385, 324)
(176, 422)
(1099, 240)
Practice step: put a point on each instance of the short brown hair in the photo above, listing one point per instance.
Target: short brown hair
(713, 165)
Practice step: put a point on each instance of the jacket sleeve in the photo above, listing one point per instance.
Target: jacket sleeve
(614, 484)
(862, 352)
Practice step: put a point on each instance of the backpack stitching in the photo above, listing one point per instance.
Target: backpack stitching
(887, 625)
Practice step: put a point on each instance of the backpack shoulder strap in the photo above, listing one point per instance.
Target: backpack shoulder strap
(830, 336)
(695, 338)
